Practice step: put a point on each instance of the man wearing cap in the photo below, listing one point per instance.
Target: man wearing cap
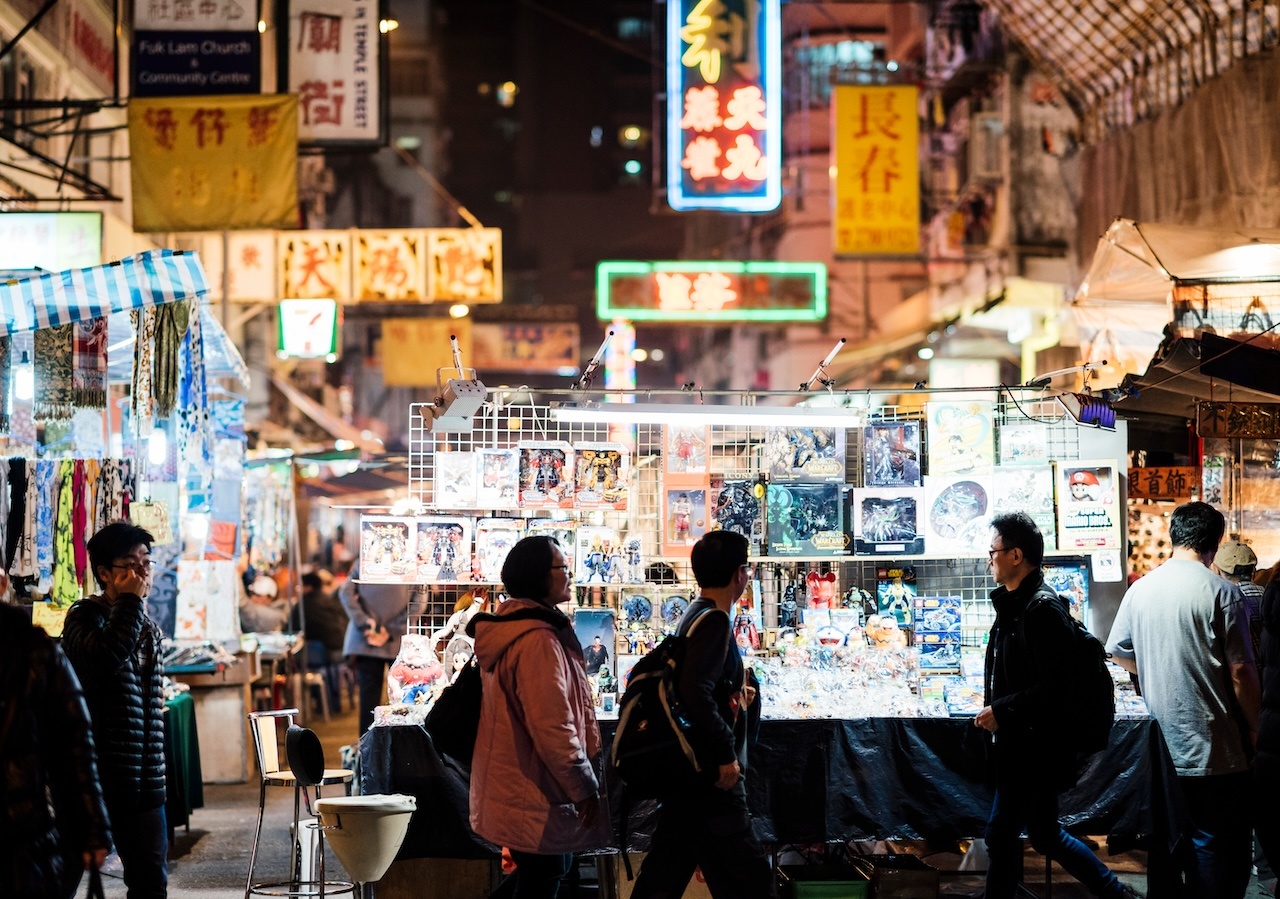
(1237, 563)
(1183, 630)
(261, 612)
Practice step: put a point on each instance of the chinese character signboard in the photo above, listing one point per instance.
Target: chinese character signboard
(390, 265)
(544, 349)
(1175, 483)
(308, 329)
(875, 171)
(188, 48)
(251, 266)
(53, 241)
(315, 265)
(413, 350)
(1260, 421)
(464, 265)
(724, 105)
(92, 45)
(712, 291)
(334, 57)
(214, 163)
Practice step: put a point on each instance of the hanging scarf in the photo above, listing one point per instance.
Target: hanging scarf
(171, 327)
(107, 505)
(79, 519)
(144, 330)
(195, 452)
(17, 514)
(6, 381)
(54, 373)
(43, 498)
(89, 375)
(66, 586)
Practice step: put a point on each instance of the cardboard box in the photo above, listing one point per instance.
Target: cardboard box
(898, 876)
(822, 882)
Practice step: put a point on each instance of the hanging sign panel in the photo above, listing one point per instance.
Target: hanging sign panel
(724, 105)
(315, 265)
(712, 291)
(333, 58)
(214, 163)
(389, 265)
(545, 349)
(185, 49)
(464, 265)
(1259, 421)
(875, 170)
(414, 350)
(53, 241)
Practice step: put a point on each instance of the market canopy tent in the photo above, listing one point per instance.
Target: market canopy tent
(50, 299)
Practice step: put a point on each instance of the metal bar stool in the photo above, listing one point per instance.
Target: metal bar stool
(302, 769)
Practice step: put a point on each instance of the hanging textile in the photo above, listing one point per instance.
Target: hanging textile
(144, 327)
(79, 519)
(171, 327)
(15, 517)
(42, 497)
(194, 423)
(6, 381)
(66, 586)
(89, 375)
(54, 373)
(4, 514)
(107, 506)
(23, 564)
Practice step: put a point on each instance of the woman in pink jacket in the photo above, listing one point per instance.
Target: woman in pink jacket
(536, 778)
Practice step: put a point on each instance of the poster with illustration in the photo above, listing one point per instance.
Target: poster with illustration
(1088, 505)
(960, 437)
(563, 532)
(1027, 488)
(1023, 443)
(808, 455)
(957, 516)
(595, 630)
(804, 519)
(444, 550)
(891, 454)
(387, 549)
(456, 480)
(896, 593)
(499, 479)
(685, 519)
(600, 557)
(1070, 578)
(546, 475)
(737, 509)
(688, 450)
(494, 539)
(600, 476)
(886, 520)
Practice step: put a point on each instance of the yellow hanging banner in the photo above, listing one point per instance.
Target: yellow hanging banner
(875, 172)
(413, 349)
(214, 163)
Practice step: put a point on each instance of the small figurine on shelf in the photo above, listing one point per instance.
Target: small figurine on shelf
(467, 607)
(787, 608)
(821, 589)
(605, 682)
(614, 566)
(681, 511)
(635, 568)
(415, 673)
(745, 633)
(596, 562)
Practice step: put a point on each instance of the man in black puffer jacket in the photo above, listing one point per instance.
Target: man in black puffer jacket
(1266, 822)
(46, 752)
(115, 649)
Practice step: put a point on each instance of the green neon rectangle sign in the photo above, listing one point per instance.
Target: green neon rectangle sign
(684, 291)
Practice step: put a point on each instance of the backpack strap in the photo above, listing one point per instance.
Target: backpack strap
(688, 625)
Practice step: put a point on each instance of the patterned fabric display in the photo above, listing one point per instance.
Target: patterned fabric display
(66, 586)
(144, 329)
(171, 327)
(54, 373)
(6, 381)
(194, 424)
(44, 499)
(89, 377)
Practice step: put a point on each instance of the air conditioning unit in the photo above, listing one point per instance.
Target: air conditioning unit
(987, 147)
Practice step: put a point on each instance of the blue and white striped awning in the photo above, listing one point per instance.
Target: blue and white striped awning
(59, 298)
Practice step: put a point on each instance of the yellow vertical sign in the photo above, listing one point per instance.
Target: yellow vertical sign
(875, 172)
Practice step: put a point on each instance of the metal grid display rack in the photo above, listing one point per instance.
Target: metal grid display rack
(735, 453)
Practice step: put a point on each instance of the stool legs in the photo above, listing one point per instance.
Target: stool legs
(257, 835)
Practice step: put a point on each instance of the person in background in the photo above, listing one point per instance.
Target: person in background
(379, 616)
(1184, 632)
(323, 623)
(53, 821)
(1237, 563)
(115, 650)
(1266, 768)
(262, 611)
(537, 775)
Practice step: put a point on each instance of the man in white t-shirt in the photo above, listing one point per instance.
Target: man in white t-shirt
(1183, 630)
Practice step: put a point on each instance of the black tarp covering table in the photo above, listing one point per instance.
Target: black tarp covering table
(831, 781)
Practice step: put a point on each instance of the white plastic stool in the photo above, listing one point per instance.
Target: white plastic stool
(366, 832)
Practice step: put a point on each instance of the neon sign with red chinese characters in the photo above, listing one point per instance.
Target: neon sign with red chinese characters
(724, 105)
(712, 291)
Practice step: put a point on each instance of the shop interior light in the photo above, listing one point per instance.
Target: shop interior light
(157, 447)
(24, 380)
(742, 416)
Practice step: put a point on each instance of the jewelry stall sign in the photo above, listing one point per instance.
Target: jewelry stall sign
(1259, 421)
(875, 170)
(334, 63)
(712, 291)
(1180, 482)
(315, 265)
(724, 105)
(214, 163)
(464, 265)
(390, 265)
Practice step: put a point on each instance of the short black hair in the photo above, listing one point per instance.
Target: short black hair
(717, 557)
(1016, 529)
(526, 573)
(115, 541)
(312, 581)
(1198, 526)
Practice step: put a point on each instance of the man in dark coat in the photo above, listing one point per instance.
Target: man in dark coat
(46, 752)
(115, 649)
(1266, 822)
(1026, 687)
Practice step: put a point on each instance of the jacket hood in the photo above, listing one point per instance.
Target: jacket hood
(495, 632)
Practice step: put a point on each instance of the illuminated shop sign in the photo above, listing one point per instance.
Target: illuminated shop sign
(724, 105)
(308, 329)
(712, 291)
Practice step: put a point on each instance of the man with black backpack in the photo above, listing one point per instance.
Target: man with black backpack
(1032, 655)
(707, 825)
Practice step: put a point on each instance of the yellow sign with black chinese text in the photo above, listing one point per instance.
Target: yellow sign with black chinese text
(876, 170)
(1178, 482)
(214, 163)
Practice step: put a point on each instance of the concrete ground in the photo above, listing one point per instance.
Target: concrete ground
(210, 860)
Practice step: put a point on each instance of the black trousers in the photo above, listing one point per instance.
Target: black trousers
(710, 830)
(369, 673)
(142, 842)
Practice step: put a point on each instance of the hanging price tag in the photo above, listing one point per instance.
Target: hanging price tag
(153, 517)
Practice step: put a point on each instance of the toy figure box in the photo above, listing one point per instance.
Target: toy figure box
(891, 454)
(546, 475)
(387, 553)
(444, 550)
(804, 520)
(499, 483)
(736, 508)
(886, 520)
(600, 476)
(456, 481)
(494, 539)
(807, 455)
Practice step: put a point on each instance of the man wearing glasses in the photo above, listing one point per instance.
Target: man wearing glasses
(1025, 698)
(115, 650)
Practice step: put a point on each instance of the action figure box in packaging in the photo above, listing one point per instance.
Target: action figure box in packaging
(737, 509)
(600, 476)
(891, 454)
(546, 475)
(387, 550)
(804, 455)
(957, 519)
(499, 479)
(804, 520)
(886, 520)
(456, 480)
(494, 539)
(444, 550)
(961, 438)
